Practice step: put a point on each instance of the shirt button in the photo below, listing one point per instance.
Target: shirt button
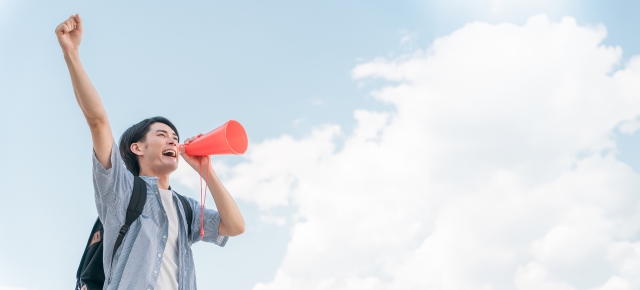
(159, 255)
(155, 272)
(164, 237)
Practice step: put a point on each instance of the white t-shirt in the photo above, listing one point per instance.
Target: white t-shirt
(168, 277)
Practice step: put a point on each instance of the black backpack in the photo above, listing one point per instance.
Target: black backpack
(90, 273)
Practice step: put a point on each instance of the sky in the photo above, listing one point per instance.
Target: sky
(393, 144)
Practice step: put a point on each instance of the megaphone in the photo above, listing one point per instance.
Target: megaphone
(230, 138)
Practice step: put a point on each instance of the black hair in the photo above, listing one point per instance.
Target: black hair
(138, 133)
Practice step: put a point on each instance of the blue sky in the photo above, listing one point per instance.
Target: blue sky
(279, 67)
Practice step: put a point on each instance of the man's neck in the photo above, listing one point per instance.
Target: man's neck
(163, 179)
(163, 182)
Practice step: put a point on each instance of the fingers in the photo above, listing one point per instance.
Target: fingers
(67, 26)
(188, 140)
(78, 22)
(71, 22)
(62, 29)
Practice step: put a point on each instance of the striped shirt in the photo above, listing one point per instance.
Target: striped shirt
(137, 262)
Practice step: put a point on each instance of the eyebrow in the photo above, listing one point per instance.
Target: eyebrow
(163, 131)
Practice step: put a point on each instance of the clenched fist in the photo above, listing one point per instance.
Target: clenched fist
(69, 33)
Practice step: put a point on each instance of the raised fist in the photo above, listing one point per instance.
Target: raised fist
(69, 33)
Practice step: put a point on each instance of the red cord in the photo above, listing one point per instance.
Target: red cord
(203, 198)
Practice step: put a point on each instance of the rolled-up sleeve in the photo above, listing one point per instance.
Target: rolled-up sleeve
(112, 187)
(211, 225)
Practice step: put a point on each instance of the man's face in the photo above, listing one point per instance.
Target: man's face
(159, 150)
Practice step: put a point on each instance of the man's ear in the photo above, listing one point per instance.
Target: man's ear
(136, 148)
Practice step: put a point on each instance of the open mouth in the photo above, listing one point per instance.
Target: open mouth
(169, 153)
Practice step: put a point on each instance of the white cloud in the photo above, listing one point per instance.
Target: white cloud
(407, 36)
(534, 276)
(276, 220)
(477, 180)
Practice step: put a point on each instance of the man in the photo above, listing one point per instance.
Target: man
(156, 251)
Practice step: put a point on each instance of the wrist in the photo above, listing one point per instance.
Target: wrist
(71, 54)
(203, 170)
(209, 173)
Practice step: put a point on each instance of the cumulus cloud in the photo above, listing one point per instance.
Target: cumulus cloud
(495, 170)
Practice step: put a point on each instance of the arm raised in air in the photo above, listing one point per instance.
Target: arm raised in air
(69, 34)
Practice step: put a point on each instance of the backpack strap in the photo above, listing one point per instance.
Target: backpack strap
(188, 212)
(134, 210)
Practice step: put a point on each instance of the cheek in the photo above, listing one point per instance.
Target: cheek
(154, 148)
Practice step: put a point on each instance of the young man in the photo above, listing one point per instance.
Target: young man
(156, 251)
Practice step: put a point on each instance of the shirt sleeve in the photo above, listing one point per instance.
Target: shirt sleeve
(112, 187)
(211, 225)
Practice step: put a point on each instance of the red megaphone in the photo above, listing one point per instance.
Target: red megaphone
(230, 138)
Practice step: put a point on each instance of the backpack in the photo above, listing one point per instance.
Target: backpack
(90, 273)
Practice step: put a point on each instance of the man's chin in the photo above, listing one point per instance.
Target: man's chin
(171, 167)
(168, 167)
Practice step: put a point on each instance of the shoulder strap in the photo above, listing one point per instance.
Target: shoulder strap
(136, 205)
(188, 212)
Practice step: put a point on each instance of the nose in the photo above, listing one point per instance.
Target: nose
(173, 141)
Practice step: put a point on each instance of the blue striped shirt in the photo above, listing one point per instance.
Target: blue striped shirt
(137, 262)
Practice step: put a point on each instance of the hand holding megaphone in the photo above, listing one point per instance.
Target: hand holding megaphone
(230, 138)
